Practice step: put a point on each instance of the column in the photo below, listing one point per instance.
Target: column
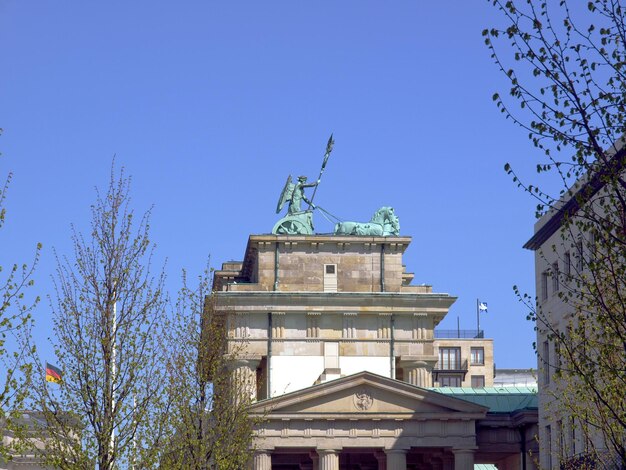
(447, 462)
(463, 459)
(382, 460)
(244, 376)
(417, 372)
(262, 460)
(396, 459)
(329, 459)
(316, 460)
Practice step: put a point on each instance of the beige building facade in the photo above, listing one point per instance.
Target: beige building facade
(559, 260)
(339, 348)
(463, 362)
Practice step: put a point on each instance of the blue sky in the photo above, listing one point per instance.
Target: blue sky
(210, 105)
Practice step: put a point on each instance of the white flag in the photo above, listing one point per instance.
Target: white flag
(482, 307)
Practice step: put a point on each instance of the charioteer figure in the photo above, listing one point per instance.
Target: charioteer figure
(297, 194)
(299, 221)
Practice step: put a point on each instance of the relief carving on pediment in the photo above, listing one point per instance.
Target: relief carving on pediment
(363, 400)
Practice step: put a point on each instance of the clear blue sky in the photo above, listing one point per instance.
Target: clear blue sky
(210, 105)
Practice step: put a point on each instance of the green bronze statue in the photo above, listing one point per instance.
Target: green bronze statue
(293, 193)
(383, 223)
(298, 221)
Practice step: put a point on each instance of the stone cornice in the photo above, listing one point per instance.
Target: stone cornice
(339, 301)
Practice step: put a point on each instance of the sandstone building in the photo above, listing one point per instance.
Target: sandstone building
(341, 357)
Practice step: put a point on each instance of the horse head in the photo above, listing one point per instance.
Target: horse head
(390, 220)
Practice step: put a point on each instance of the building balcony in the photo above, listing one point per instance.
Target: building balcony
(454, 368)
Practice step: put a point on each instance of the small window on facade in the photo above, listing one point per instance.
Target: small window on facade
(449, 381)
(580, 256)
(477, 356)
(593, 242)
(546, 362)
(560, 439)
(478, 381)
(549, 445)
(450, 359)
(567, 264)
(557, 354)
(544, 285)
(330, 278)
(555, 278)
(572, 424)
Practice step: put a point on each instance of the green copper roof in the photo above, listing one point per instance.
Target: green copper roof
(497, 399)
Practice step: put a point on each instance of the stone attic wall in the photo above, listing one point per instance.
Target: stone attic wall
(301, 265)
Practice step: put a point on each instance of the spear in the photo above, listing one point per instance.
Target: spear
(329, 148)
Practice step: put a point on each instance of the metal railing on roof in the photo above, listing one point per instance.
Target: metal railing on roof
(460, 334)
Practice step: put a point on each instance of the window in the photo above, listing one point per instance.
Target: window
(477, 356)
(450, 359)
(330, 278)
(573, 436)
(478, 381)
(449, 381)
(567, 264)
(555, 277)
(558, 354)
(593, 242)
(546, 362)
(544, 285)
(579, 255)
(549, 445)
(559, 439)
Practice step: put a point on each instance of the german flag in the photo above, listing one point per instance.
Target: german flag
(53, 374)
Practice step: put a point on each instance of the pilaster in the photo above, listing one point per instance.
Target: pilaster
(316, 460)
(382, 460)
(396, 459)
(463, 459)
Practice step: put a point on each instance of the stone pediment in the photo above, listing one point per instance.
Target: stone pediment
(367, 395)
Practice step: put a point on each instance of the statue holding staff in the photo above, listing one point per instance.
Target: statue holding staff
(298, 221)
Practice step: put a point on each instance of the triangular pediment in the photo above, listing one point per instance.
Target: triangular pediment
(367, 394)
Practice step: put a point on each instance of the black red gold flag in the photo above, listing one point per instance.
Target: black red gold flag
(53, 374)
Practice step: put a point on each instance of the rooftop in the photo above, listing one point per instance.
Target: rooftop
(497, 399)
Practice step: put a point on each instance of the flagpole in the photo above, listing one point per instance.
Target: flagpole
(477, 318)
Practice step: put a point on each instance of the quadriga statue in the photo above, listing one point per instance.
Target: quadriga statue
(383, 223)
